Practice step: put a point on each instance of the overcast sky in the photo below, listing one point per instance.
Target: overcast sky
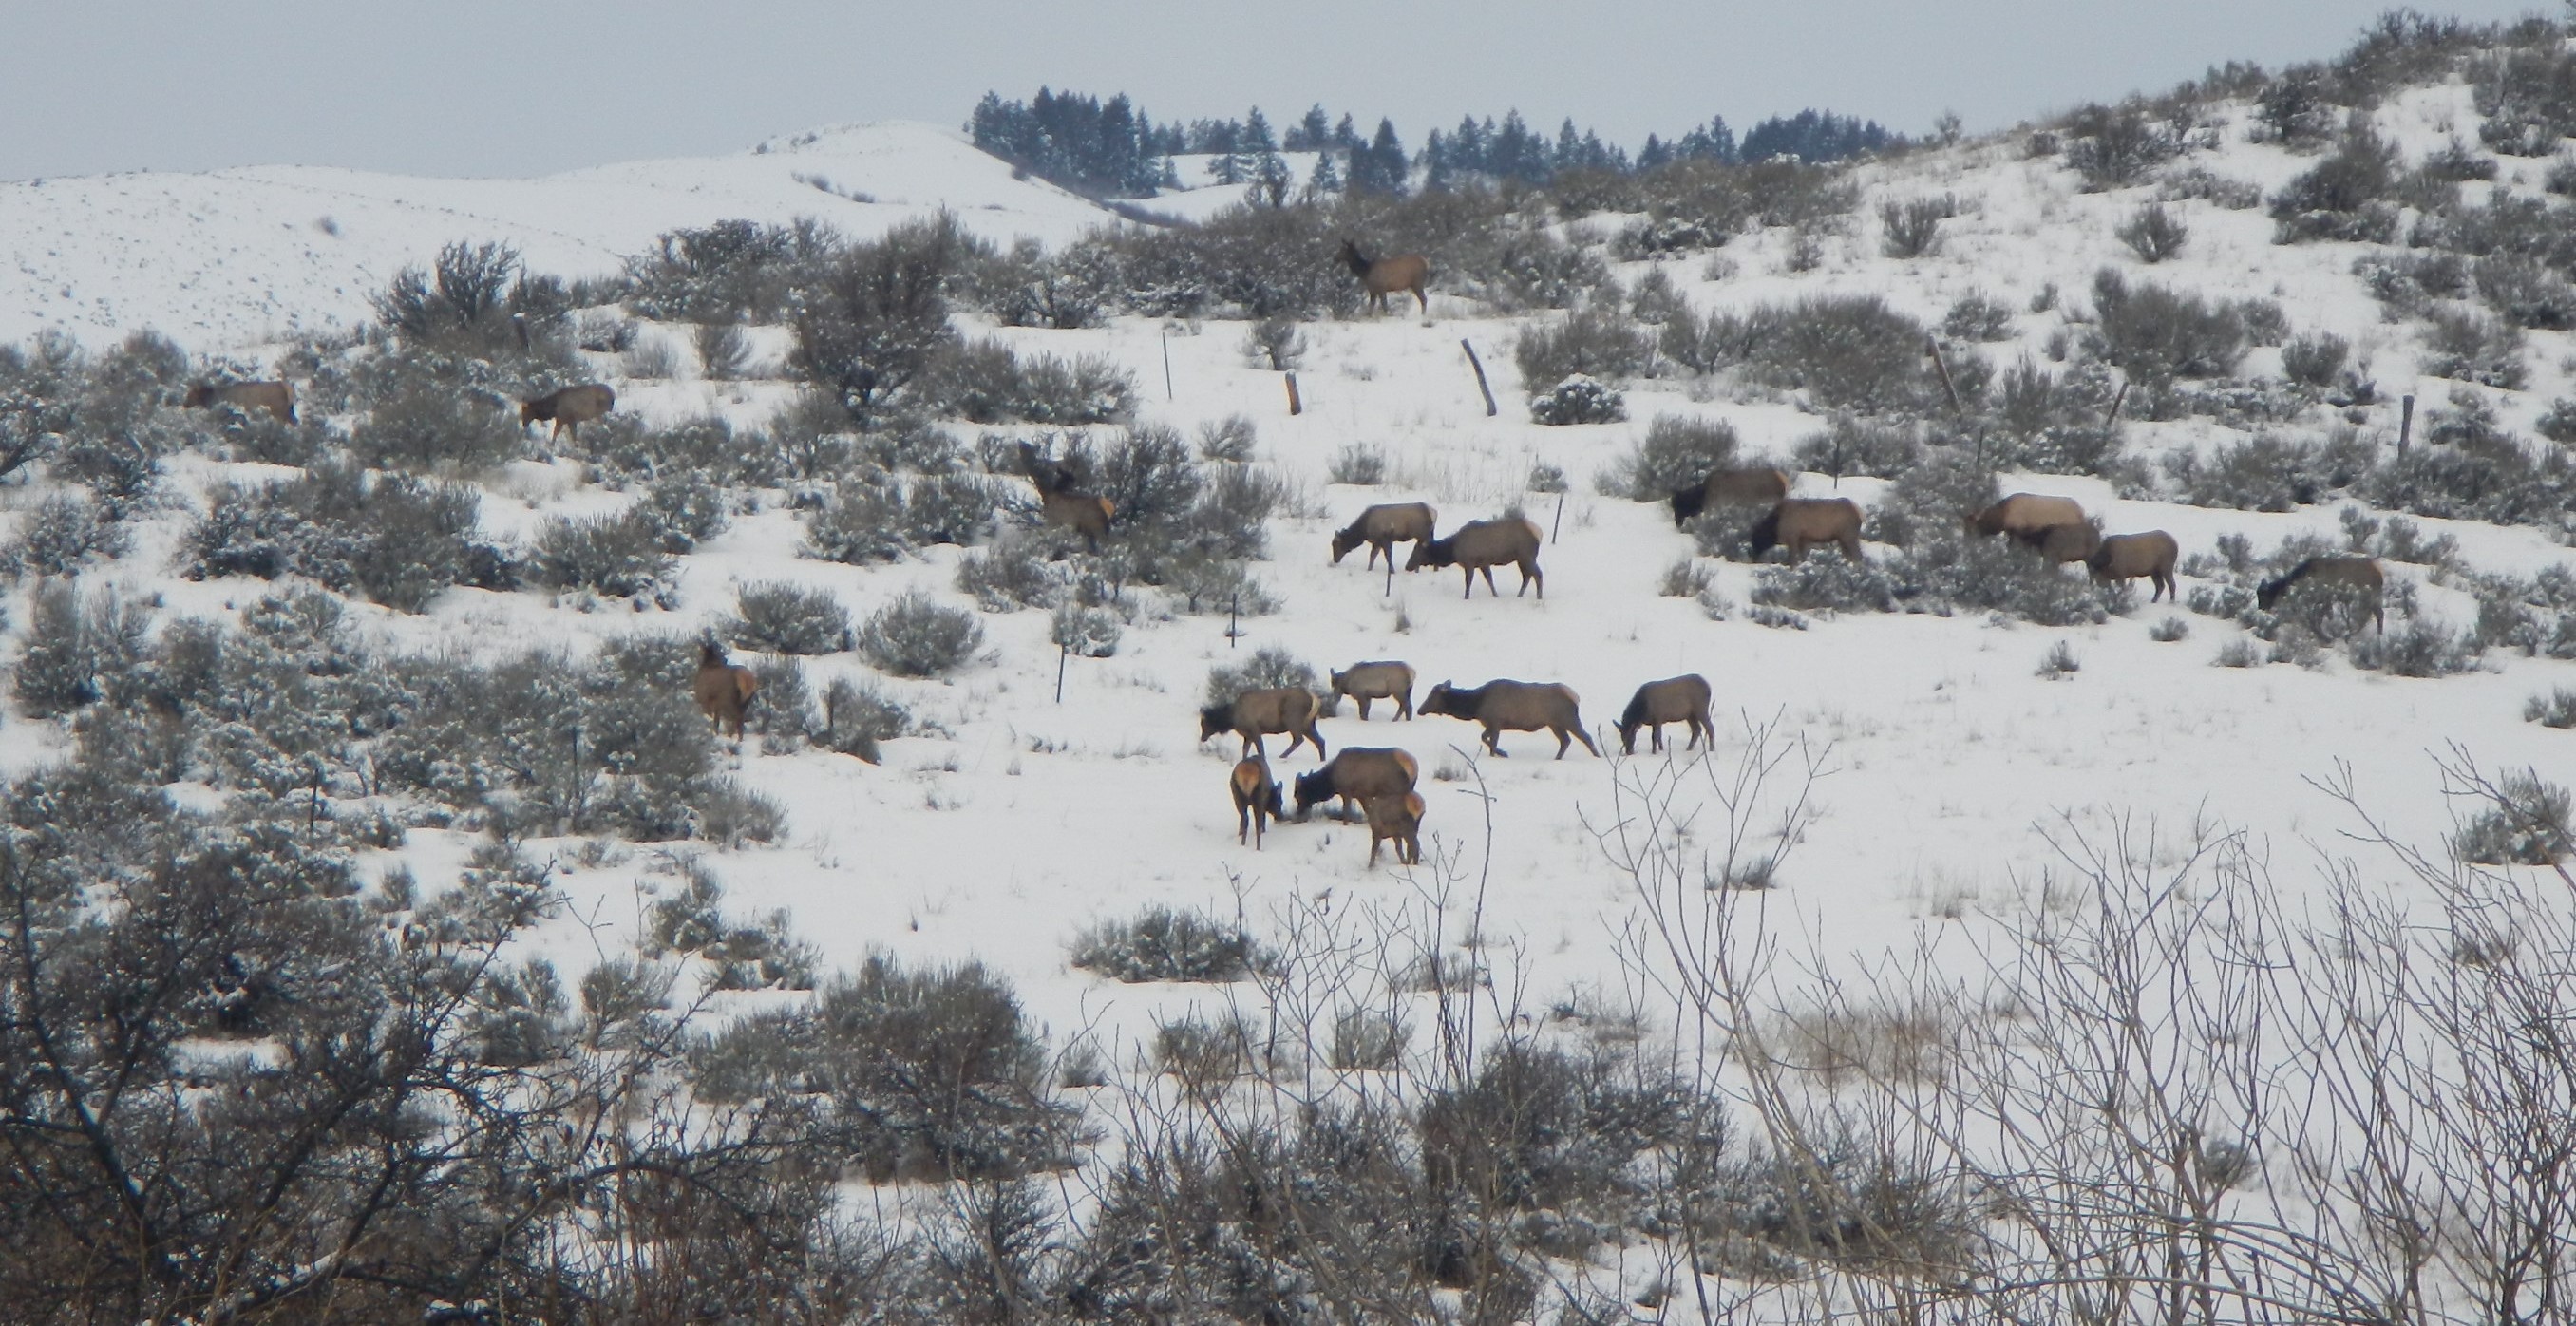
(519, 87)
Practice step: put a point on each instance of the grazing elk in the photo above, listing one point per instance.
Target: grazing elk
(1398, 818)
(722, 689)
(1256, 799)
(1682, 699)
(1354, 776)
(2128, 556)
(1255, 714)
(1753, 487)
(2026, 516)
(2059, 544)
(1377, 681)
(2357, 573)
(1514, 706)
(278, 398)
(1382, 527)
(569, 408)
(1482, 545)
(1800, 523)
(1408, 272)
(1086, 514)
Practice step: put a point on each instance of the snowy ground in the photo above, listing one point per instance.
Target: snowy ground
(1947, 755)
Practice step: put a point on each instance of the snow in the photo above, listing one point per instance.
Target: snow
(1947, 759)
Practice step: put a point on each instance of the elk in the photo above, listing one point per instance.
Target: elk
(1682, 699)
(1381, 277)
(2128, 556)
(1354, 776)
(1729, 488)
(278, 398)
(1514, 706)
(1482, 545)
(1255, 714)
(1396, 818)
(569, 408)
(2357, 573)
(1382, 527)
(723, 690)
(1256, 799)
(1064, 505)
(1800, 523)
(1377, 681)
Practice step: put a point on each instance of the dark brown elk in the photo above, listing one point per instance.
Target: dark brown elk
(2025, 516)
(1758, 487)
(1381, 277)
(2128, 556)
(1255, 714)
(1063, 503)
(278, 398)
(2060, 544)
(1396, 818)
(1682, 699)
(1482, 545)
(1801, 523)
(1355, 775)
(723, 690)
(1256, 799)
(1383, 527)
(1377, 681)
(1514, 706)
(569, 408)
(2357, 573)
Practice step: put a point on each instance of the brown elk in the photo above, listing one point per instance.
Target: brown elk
(1408, 272)
(1382, 527)
(1682, 699)
(1086, 514)
(1377, 681)
(1482, 545)
(1256, 799)
(569, 408)
(1255, 714)
(1397, 818)
(1355, 775)
(2059, 544)
(278, 398)
(1729, 488)
(1801, 523)
(1514, 706)
(722, 689)
(2358, 573)
(2026, 516)
(2128, 556)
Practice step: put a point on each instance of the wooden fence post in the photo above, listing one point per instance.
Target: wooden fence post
(1477, 364)
(1295, 406)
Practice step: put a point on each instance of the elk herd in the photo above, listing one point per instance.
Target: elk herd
(1380, 781)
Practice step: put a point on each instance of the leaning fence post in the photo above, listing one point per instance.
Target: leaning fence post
(2405, 423)
(1063, 651)
(1167, 366)
(1295, 406)
(1934, 349)
(1477, 364)
(1559, 523)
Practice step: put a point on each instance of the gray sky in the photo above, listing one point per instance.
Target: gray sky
(496, 87)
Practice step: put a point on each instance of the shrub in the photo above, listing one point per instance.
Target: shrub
(723, 352)
(2115, 148)
(2158, 334)
(2154, 234)
(429, 426)
(2525, 293)
(857, 716)
(77, 653)
(1368, 1040)
(1596, 343)
(619, 557)
(2526, 825)
(1858, 446)
(2472, 348)
(860, 522)
(1232, 438)
(2315, 361)
(2558, 422)
(1089, 632)
(2233, 194)
(1148, 472)
(2293, 107)
(1269, 668)
(63, 534)
(391, 537)
(1846, 351)
(1911, 229)
(1009, 576)
(1275, 344)
(873, 318)
(2271, 472)
(2556, 709)
(2454, 163)
(1163, 944)
(1358, 463)
(985, 383)
(2237, 653)
(1975, 317)
(2344, 196)
(917, 636)
(1677, 452)
(778, 618)
(1686, 579)
(2417, 649)
(2169, 630)
(2059, 661)
(1824, 582)
(760, 955)
(1579, 400)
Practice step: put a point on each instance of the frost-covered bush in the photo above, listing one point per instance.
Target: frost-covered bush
(2345, 196)
(63, 534)
(1850, 445)
(2316, 360)
(1008, 576)
(857, 716)
(1232, 438)
(1998, 575)
(1596, 343)
(624, 448)
(860, 522)
(2556, 709)
(762, 955)
(2558, 422)
(2154, 234)
(2272, 472)
(1149, 473)
(985, 382)
(392, 537)
(1579, 400)
(427, 426)
(2158, 334)
(778, 618)
(2527, 825)
(1678, 451)
(724, 353)
(1269, 668)
(1199, 583)
(1358, 463)
(1275, 344)
(2474, 348)
(686, 509)
(77, 653)
(1164, 944)
(1825, 582)
(1912, 228)
(2417, 649)
(1845, 351)
(1926, 503)
(2115, 147)
(1976, 317)
(917, 636)
(619, 556)
(1089, 632)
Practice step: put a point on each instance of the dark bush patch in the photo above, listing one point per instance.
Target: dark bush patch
(1974, 317)
(2344, 196)
(1162, 944)
(1877, 449)
(2472, 348)
(1597, 343)
(2159, 334)
(1579, 400)
(1676, 452)
(778, 618)
(427, 427)
(394, 538)
(917, 636)
(618, 557)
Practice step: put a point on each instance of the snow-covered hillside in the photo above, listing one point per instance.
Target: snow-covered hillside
(239, 256)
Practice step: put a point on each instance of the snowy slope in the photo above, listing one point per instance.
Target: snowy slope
(244, 256)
